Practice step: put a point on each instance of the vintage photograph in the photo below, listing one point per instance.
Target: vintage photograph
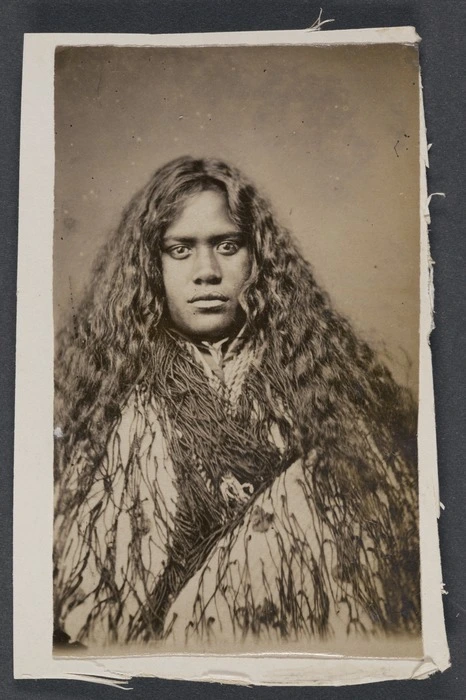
(236, 276)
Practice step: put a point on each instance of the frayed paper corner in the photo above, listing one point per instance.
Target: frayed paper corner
(427, 668)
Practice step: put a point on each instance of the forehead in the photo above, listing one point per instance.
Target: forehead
(203, 213)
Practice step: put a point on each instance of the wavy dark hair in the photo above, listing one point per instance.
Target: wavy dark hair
(344, 402)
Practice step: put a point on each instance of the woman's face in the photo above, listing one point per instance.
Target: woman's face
(205, 263)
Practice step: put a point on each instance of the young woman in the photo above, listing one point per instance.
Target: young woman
(233, 460)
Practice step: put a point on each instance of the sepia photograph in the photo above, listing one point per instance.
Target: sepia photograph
(236, 276)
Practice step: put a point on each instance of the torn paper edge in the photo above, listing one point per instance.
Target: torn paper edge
(33, 492)
(433, 624)
(307, 37)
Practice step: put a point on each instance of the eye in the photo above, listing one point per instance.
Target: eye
(228, 247)
(179, 252)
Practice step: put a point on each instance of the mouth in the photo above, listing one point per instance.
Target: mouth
(209, 301)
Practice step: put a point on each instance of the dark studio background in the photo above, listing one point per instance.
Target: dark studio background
(315, 129)
(441, 24)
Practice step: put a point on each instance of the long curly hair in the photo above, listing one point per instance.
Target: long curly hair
(344, 403)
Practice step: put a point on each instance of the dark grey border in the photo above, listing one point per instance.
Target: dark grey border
(442, 25)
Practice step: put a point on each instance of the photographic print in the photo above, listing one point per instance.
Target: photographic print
(234, 462)
(236, 296)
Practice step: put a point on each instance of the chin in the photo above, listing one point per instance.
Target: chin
(212, 328)
(210, 331)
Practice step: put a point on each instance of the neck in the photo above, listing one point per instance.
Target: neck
(227, 335)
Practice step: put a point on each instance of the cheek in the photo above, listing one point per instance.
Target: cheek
(242, 267)
(171, 282)
(172, 271)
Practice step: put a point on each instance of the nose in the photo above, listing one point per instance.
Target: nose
(206, 268)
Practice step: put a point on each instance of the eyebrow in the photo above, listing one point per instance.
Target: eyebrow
(216, 238)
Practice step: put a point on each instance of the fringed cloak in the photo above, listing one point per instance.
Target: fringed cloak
(213, 524)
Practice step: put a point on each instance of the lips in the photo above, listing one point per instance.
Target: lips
(208, 301)
(211, 296)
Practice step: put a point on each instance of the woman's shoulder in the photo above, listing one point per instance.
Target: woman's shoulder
(141, 400)
(139, 420)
